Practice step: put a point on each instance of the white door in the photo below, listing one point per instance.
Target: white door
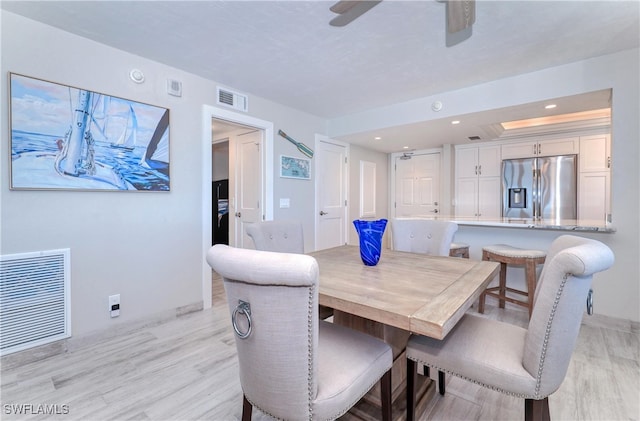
(417, 185)
(248, 190)
(331, 193)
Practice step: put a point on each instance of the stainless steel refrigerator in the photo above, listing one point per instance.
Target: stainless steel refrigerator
(540, 188)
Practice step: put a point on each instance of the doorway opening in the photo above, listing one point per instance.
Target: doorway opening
(262, 162)
(225, 140)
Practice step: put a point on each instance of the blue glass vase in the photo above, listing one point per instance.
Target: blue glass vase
(370, 233)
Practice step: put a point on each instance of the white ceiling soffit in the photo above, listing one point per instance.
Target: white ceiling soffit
(394, 53)
(485, 125)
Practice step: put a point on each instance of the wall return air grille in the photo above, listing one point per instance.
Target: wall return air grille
(34, 299)
(232, 99)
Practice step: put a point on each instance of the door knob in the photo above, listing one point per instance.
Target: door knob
(435, 211)
(324, 213)
(238, 214)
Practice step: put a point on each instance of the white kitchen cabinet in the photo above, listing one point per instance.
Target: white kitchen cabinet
(478, 181)
(478, 196)
(489, 197)
(594, 197)
(529, 149)
(595, 153)
(467, 196)
(594, 190)
(481, 161)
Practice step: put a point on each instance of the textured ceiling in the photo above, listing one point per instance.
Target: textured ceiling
(287, 52)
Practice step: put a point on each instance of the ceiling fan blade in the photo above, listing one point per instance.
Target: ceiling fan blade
(353, 12)
(461, 14)
(454, 38)
(343, 6)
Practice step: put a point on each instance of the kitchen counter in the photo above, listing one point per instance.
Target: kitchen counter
(558, 225)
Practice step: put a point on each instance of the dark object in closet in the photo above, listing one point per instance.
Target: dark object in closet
(220, 214)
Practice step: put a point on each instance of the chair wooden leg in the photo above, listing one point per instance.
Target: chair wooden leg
(503, 284)
(246, 409)
(536, 410)
(411, 390)
(440, 378)
(385, 396)
(483, 296)
(530, 275)
(481, 303)
(441, 382)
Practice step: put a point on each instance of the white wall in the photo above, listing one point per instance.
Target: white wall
(617, 290)
(220, 161)
(145, 246)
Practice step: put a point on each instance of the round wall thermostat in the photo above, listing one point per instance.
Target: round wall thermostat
(136, 75)
(436, 106)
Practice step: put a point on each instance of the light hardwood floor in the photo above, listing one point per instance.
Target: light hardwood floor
(185, 369)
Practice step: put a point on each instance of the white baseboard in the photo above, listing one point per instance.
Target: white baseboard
(74, 343)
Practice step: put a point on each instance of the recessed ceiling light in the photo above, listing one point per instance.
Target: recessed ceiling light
(377, 138)
(550, 106)
(455, 122)
(405, 147)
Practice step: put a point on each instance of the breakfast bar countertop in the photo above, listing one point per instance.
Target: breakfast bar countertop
(560, 225)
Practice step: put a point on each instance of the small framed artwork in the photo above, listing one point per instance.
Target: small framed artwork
(291, 167)
(66, 138)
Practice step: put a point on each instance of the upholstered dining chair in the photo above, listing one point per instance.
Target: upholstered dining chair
(424, 236)
(282, 237)
(528, 363)
(294, 366)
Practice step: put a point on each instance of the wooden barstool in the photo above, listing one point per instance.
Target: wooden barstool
(459, 250)
(508, 255)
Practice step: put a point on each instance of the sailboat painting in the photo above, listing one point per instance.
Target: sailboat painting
(65, 138)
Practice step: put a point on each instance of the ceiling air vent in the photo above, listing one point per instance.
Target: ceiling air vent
(474, 137)
(232, 99)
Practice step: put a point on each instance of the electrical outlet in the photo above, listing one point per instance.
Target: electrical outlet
(114, 305)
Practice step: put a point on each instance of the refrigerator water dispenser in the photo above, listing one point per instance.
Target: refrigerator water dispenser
(517, 197)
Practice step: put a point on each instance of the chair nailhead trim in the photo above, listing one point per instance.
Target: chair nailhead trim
(310, 351)
(344, 411)
(497, 389)
(545, 344)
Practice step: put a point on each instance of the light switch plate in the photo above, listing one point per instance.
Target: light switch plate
(285, 203)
